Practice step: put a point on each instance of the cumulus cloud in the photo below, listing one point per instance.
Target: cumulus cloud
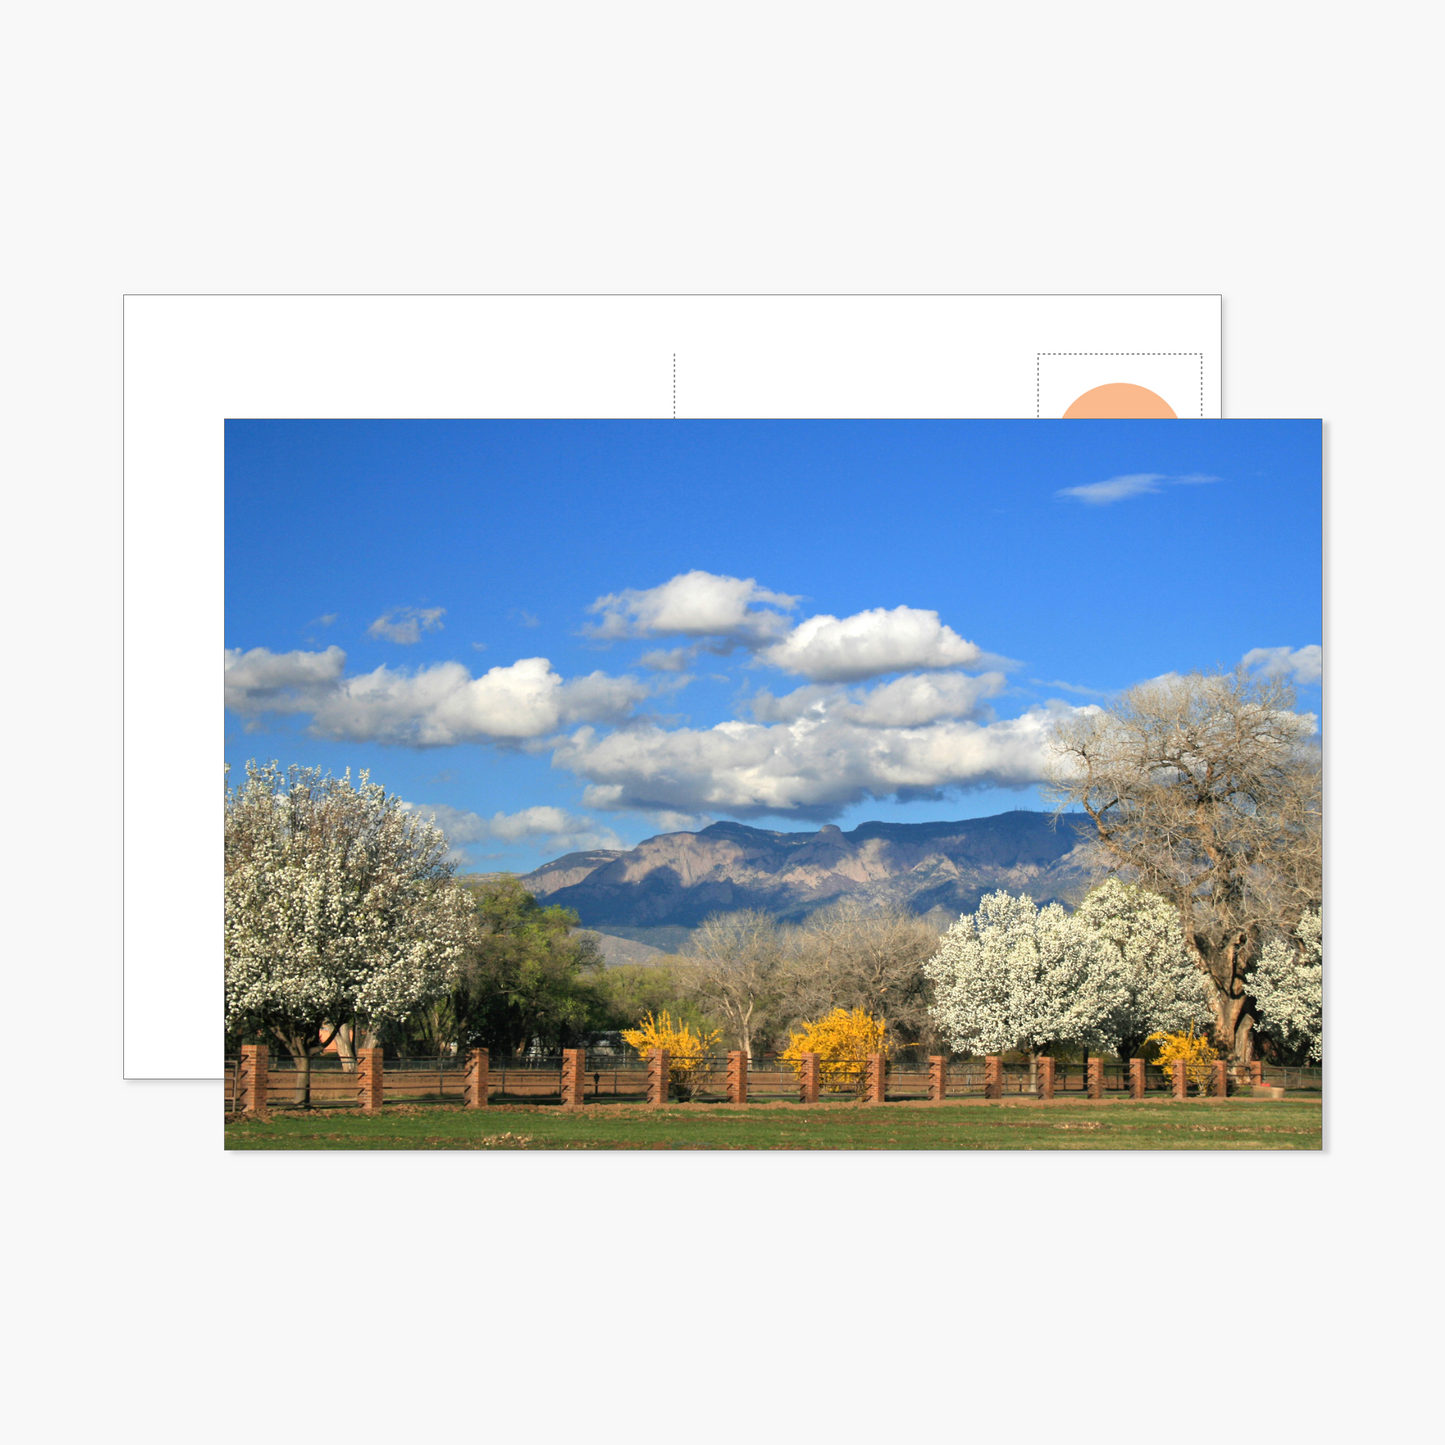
(1305, 665)
(445, 704)
(666, 821)
(259, 680)
(674, 659)
(1116, 489)
(811, 767)
(431, 707)
(868, 644)
(557, 830)
(406, 624)
(905, 702)
(695, 604)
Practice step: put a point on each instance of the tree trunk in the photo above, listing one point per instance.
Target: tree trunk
(303, 1079)
(346, 1047)
(1233, 1025)
(1034, 1072)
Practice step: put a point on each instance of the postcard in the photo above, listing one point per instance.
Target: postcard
(832, 783)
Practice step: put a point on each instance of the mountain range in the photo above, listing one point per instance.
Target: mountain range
(657, 892)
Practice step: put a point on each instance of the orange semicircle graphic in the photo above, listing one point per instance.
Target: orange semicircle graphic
(1120, 400)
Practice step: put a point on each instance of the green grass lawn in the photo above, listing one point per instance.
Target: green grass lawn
(1230, 1124)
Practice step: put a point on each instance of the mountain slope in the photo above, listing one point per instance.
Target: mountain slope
(679, 878)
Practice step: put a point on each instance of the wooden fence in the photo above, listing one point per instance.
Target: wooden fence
(255, 1082)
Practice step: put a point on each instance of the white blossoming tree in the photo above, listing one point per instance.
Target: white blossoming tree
(1017, 976)
(1159, 986)
(1288, 989)
(341, 911)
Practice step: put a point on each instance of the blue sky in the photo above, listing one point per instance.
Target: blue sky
(555, 635)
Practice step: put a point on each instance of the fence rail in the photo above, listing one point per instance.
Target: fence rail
(255, 1081)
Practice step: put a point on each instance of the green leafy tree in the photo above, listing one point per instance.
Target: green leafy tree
(527, 979)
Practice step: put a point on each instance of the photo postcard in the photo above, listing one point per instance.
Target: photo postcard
(833, 784)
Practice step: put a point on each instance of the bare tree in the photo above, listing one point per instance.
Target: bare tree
(1205, 789)
(853, 955)
(732, 969)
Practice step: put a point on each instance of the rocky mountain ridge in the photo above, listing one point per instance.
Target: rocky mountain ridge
(675, 880)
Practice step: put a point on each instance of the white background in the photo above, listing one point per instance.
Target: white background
(1281, 155)
(193, 361)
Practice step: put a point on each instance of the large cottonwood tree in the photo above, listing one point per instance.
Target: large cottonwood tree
(1205, 789)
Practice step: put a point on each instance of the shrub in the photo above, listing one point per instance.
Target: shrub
(842, 1040)
(687, 1050)
(1196, 1051)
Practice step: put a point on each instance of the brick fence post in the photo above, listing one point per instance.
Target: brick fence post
(1136, 1078)
(876, 1080)
(992, 1077)
(1218, 1080)
(251, 1083)
(737, 1077)
(1181, 1079)
(808, 1082)
(1046, 1078)
(474, 1081)
(1256, 1073)
(1096, 1079)
(370, 1080)
(659, 1065)
(574, 1078)
(937, 1078)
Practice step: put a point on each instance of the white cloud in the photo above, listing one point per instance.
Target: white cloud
(445, 704)
(1069, 687)
(675, 659)
(868, 644)
(557, 830)
(669, 822)
(1305, 665)
(695, 604)
(905, 702)
(260, 680)
(811, 767)
(431, 707)
(1135, 484)
(406, 624)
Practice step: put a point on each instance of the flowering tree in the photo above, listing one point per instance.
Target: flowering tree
(1160, 989)
(340, 910)
(1017, 976)
(842, 1039)
(1288, 987)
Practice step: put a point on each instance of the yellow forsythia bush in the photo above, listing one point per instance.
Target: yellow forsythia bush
(1196, 1051)
(842, 1041)
(686, 1050)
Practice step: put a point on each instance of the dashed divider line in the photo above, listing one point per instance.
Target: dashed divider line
(1038, 366)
